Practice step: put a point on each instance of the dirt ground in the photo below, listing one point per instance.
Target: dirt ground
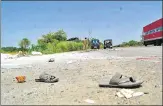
(79, 80)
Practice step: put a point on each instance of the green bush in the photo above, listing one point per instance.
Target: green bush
(131, 43)
(69, 46)
(101, 45)
(1, 51)
(49, 49)
(79, 46)
(63, 46)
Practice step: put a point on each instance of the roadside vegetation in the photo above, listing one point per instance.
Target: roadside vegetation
(57, 42)
(53, 42)
(130, 43)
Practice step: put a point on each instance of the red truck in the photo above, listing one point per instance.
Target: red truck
(152, 33)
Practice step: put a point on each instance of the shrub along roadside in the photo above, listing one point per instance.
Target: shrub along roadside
(63, 46)
(131, 43)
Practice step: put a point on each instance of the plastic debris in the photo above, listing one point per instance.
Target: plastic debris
(89, 101)
(36, 53)
(119, 94)
(137, 94)
(127, 93)
(20, 79)
(71, 61)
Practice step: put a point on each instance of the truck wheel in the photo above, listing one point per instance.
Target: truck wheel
(159, 43)
(154, 44)
(104, 47)
(145, 44)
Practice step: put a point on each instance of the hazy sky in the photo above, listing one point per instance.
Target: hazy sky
(120, 21)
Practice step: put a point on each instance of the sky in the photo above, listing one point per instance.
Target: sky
(119, 21)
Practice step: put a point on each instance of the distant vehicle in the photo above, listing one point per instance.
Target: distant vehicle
(108, 43)
(152, 33)
(95, 44)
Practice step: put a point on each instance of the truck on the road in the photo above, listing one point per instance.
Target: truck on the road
(95, 44)
(108, 43)
(152, 33)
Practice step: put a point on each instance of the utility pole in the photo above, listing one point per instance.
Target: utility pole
(89, 32)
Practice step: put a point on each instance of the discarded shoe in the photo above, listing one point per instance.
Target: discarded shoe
(118, 80)
(51, 60)
(47, 78)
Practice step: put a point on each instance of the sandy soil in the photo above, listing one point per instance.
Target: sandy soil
(79, 80)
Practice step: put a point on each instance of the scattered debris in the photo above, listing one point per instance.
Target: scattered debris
(89, 101)
(51, 60)
(69, 62)
(137, 94)
(20, 79)
(119, 94)
(127, 93)
(36, 53)
(146, 92)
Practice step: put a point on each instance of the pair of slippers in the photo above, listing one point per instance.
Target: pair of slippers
(47, 78)
(119, 80)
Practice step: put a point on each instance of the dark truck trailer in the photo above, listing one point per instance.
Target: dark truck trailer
(108, 43)
(152, 33)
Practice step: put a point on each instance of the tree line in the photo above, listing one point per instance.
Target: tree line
(130, 43)
(53, 42)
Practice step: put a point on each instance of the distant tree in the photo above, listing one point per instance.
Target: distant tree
(24, 44)
(124, 44)
(42, 43)
(52, 37)
(132, 43)
(10, 49)
(60, 35)
(35, 47)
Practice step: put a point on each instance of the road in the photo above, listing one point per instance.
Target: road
(93, 54)
(80, 73)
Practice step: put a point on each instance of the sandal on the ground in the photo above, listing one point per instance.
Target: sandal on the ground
(118, 80)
